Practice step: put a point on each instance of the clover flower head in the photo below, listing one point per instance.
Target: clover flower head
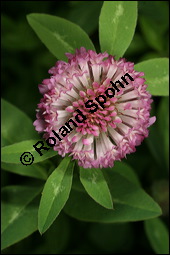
(107, 134)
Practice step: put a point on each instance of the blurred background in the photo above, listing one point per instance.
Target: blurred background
(25, 63)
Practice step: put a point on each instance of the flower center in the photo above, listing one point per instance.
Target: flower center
(98, 109)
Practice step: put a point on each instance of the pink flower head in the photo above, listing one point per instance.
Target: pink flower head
(107, 134)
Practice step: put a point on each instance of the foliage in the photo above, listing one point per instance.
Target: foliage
(68, 205)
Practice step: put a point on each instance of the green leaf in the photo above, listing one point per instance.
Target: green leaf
(34, 170)
(77, 185)
(55, 194)
(16, 125)
(156, 74)
(117, 24)
(158, 235)
(96, 186)
(131, 203)
(126, 171)
(12, 153)
(119, 167)
(59, 35)
(19, 213)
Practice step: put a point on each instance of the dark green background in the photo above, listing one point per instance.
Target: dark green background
(25, 63)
